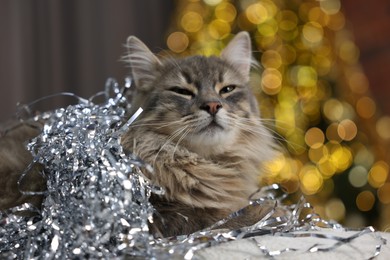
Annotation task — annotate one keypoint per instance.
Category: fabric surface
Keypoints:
(363, 246)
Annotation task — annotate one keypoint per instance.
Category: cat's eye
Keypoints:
(182, 91)
(227, 89)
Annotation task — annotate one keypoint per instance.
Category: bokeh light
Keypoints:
(378, 174)
(384, 193)
(365, 200)
(330, 6)
(365, 107)
(177, 42)
(383, 127)
(358, 176)
(192, 21)
(335, 209)
(226, 12)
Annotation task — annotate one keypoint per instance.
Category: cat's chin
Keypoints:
(212, 140)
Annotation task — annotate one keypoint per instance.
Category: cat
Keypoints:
(200, 131)
(14, 159)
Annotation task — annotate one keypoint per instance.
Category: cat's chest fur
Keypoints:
(222, 180)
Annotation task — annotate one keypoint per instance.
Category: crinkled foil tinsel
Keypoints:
(96, 203)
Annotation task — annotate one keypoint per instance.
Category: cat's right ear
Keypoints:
(142, 63)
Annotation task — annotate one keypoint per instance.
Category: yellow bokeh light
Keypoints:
(317, 152)
(340, 156)
(384, 193)
(192, 21)
(322, 64)
(365, 200)
(378, 174)
(276, 165)
(219, 29)
(326, 166)
(312, 32)
(212, 2)
(311, 180)
(333, 109)
(314, 137)
(271, 59)
(283, 170)
(271, 81)
(366, 107)
(265, 42)
(318, 15)
(288, 20)
(383, 127)
(332, 133)
(307, 76)
(226, 11)
(330, 6)
(335, 209)
(288, 53)
(284, 117)
(304, 76)
(177, 42)
(257, 13)
(268, 29)
(347, 130)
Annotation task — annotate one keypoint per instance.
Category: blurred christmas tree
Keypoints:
(312, 93)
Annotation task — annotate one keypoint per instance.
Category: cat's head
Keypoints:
(203, 102)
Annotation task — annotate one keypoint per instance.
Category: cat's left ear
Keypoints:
(142, 63)
(239, 53)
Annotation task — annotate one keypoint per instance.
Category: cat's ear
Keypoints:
(142, 62)
(239, 53)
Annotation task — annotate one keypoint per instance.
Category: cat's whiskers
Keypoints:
(157, 124)
(263, 131)
(175, 134)
(251, 128)
(253, 124)
(271, 124)
(180, 139)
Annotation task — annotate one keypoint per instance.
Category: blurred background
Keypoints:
(323, 83)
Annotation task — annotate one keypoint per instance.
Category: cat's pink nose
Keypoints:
(212, 107)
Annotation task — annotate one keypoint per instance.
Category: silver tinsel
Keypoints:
(97, 199)
(96, 203)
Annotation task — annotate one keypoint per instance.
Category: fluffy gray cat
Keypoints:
(200, 131)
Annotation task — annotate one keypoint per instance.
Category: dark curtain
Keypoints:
(50, 46)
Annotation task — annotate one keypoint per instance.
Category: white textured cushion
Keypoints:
(360, 246)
